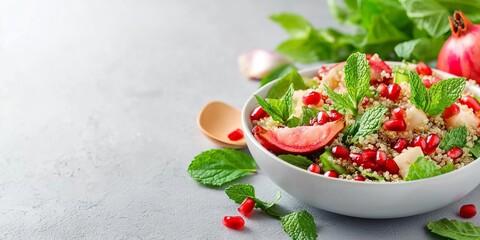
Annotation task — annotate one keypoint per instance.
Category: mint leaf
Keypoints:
(238, 193)
(281, 86)
(327, 159)
(428, 15)
(357, 77)
(272, 107)
(299, 225)
(419, 92)
(266, 205)
(341, 100)
(288, 102)
(308, 49)
(420, 48)
(444, 93)
(454, 229)
(307, 114)
(296, 160)
(369, 122)
(294, 24)
(475, 150)
(456, 137)
(219, 166)
(371, 175)
(294, 122)
(277, 73)
(425, 168)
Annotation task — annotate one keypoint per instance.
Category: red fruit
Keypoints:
(365, 101)
(460, 53)
(427, 82)
(432, 143)
(368, 56)
(382, 89)
(233, 222)
(394, 91)
(369, 165)
(451, 111)
(419, 141)
(236, 135)
(468, 211)
(314, 168)
(398, 113)
(423, 69)
(331, 173)
(377, 66)
(470, 102)
(395, 125)
(401, 144)
(299, 140)
(322, 117)
(368, 155)
(341, 152)
(435, 80)
(247, 206)
(357, 158)
(311, 98)
(335, 115)
(359, 178)
(391, 166)
(258, 113)
(380, 158)
(454, 153)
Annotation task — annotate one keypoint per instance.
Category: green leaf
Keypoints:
(369, 122)
(307, 114)
(299, 225)
(296, 160)
(428, 15)
(294, 122)
(357, 77)
(219, 166)
(444, 93)
(342, 100)
(308, 49)
(238, 192)
(327, 163)
(273, 108)
(381, 30)
(294, 24)
(419, 92)
(454, 229)
(277, 73)
(266, 205)
(475, 150)
(456, 137)
(288, 102)
(371, 175)
(422, 49)
(424, 168)
(279, 89)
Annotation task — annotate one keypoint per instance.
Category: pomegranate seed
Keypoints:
(401, 144)
(398, 113)
(258, 113)
(432, 143)
(451, 111)
(419, 141)
(314, 168)
(454, 153)
(391, 166)
(247, 206)
(368, 155)
(365, 101)
(427, 82)
(359, 178)
(236, 135)
(233, 222)
(423, 69)
(380, 158)
(382, 89)
(468, 211)
(395, 125)
(311, 98)
(322, 117)
(394, 91)
(371, 165)
(357, 158)
(341, 152)
(331, 173)
(335, 115)
(470, 102)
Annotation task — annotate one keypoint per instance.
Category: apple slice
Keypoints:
(298, 140)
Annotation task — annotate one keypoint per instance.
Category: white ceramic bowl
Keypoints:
(360, 199)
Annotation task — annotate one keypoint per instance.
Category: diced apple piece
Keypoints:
(464, 118)
(415, 118)
(406, 158)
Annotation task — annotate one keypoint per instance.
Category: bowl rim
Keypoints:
(249, 135)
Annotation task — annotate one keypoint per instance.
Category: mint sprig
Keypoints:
(438, 97)
(238, 193)
(299, 225)
(425, 168)
(453, 229)
(280, 88)
(296, 160)
(456, 137)
(279, 110)
(367, 124)
(219, 166)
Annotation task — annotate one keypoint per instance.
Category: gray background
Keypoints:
(98, 102)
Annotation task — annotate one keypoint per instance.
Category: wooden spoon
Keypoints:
(216, 120)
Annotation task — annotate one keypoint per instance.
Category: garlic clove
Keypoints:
(257, 63)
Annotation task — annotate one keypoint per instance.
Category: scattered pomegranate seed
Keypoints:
(331, 173)
(432, 143)
(368, 155)
(426, 82)
(454, 153)
(398, 113)
(314, 168)
(395, 125)
(357, 158)
(401, 144)
(470, 102)
(451, 111)
(391, 166)
(365, 101)
(335, 115)
(311, 98)
(359, 178)
(236, 135)
(468, 211)
(394, 91)
(341, 152)
(380, 158)
(419, 141)
(258, 113)
(322, 117)
(247, 206)
(382, 89)
(233, 222)
(369, 165)
(423, 69)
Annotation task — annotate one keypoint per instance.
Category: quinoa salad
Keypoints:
(364, 120)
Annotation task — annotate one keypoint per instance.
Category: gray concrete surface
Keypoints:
(98, 101)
